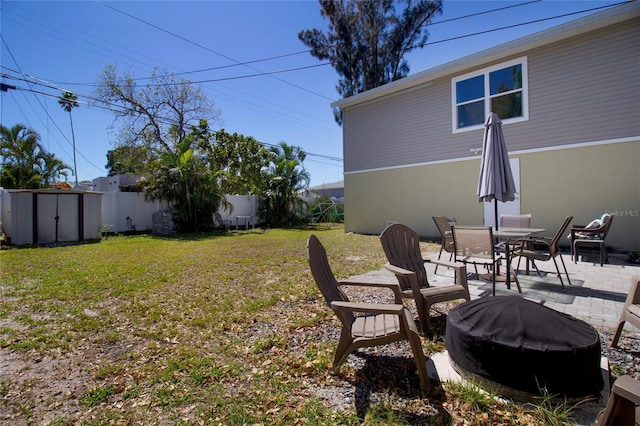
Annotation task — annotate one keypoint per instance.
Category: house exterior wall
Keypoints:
(579, 150)
(580, 90)
(404, 129)
(412, 195)
(583, 182)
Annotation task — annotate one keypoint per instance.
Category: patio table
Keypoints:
(246, 220)
(509, 234)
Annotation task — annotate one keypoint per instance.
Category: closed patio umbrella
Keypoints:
(496, 180)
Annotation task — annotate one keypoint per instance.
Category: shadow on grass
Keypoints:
(389, 387)
(199, 236)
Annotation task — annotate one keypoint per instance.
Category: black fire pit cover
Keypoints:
(526, 346)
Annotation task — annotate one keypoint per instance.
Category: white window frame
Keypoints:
(487, 97)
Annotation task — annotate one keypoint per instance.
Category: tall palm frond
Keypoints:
(69, 101)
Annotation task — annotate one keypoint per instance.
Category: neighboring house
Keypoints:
(115, 182)
(332, 190)
(569, 98)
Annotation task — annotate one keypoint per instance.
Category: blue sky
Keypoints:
(64, 45)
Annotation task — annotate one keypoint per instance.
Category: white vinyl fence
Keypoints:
(125, 210)
(128, 211)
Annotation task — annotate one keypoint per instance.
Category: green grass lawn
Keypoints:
(208, 329)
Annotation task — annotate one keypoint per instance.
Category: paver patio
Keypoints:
(596, 296)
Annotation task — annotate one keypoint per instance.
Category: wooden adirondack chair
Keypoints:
(630, 310)
(364, 324)
(623, 406)
(401, 244)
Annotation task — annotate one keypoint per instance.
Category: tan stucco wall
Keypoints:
(586, 182)
(582, 182)
(412, 195)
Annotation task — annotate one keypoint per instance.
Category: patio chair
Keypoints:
(515, 220)
(401, 245)
(223, 224)
(591, 235)
(364, 324)
(623, 406)
(475, 245)
(542, 249)
(512, 221)
(444, 227)
(630, 310)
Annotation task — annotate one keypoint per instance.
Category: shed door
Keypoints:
(57, 218)
(47, 212)
(510, 207)
(69, 219)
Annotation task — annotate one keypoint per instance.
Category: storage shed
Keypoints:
(46, 216)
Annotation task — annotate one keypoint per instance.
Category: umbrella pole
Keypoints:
(495, 212)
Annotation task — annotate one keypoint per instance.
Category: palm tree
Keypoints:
(52, 168)
(21, 151)
(284, 180)
(69, 101)
(190, 187)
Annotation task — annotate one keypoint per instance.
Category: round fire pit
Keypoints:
(524, 346)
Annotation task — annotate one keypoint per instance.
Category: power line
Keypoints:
(326, 157)
(279, 56)
(289, 115)
(125, 110)
(56, 32)
(270, 58)
(535, 21)
(211, 50)
(484, 12)
(285, 55)
(97, 102)
(118, 108)
(269, 73)
(269, 111)
(261, 73)
(42, 106)
(239, 77)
